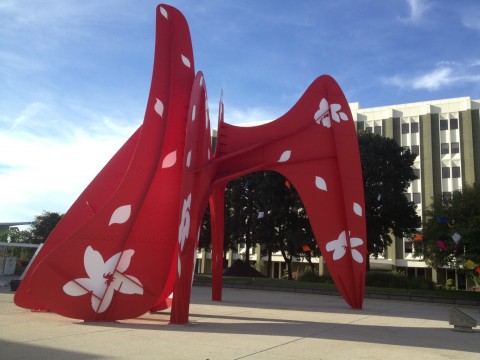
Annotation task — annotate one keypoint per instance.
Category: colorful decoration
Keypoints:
(441, 245)
(129, 241)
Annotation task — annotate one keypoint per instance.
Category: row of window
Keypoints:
(415, 197)
(455, 172)
(446, 148)
(376, 129)
(413, 127)
(407, 127)
(444, 124)
(414, 149)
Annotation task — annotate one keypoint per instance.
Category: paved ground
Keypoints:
(246, 325)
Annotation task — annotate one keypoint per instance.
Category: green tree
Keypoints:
(387, 174)
(458, 214)
(43, 225)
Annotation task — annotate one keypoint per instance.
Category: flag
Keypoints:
(306, 248)
(442, 220)
(418, 237)
(441, 245)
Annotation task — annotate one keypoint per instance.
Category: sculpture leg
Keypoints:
(217, 223)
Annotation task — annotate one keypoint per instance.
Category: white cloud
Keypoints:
(443, 75)
(238, 116)
(48, 173)
(417, 9)
(434, 79)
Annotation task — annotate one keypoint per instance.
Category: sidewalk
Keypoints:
(248, 324)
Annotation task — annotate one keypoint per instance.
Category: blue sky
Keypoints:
(75, 75)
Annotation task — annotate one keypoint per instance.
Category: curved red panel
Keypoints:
(115, 263)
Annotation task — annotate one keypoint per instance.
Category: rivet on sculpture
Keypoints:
(129, 241)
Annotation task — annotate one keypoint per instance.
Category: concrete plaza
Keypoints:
(247, 324)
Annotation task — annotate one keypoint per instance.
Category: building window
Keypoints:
(444, 148)
(415, 149)
(377, 130)
(455, 171)
(414, 127)
(405, 128)
(447, 196)
(445, 172)
(417, 199)
(408, 196)
(408, 247)
(443, 124)
(455, 147)
(453, 124)
(368, 129)
(417, 173)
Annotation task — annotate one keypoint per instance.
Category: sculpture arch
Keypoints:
(129, 240)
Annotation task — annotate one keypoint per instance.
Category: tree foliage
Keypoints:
(458, 214)
(263, 208)
(387, 174)
(43, 225)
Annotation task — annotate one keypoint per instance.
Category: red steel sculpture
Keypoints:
(129, 241)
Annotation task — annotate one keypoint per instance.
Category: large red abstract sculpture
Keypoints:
(128, 242)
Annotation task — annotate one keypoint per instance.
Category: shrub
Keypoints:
(396, 279)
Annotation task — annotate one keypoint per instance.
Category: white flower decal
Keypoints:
(339, 247)
(322, 115)
(104, 278)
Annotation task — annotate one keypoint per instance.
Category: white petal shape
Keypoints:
(185, 61)
(326, 122)
(127, 284)
(339, 246)
(320, 183)
(343, 116)
(134, 288)
(357, 256)
(354, 242)
(96, 286)
(179, 265)
(95, 303)
(111, 264)
(72, 288)
(159, 107)
(323, 108)
(93, 263)
(121, 215)
(357, 209)
(189, 158)
(107, 299)
(285, 156)
(334, 109)
(124, 261)
(163, 11)
(194, 112)
(201, 80)
(208, 154)
(169, 160)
